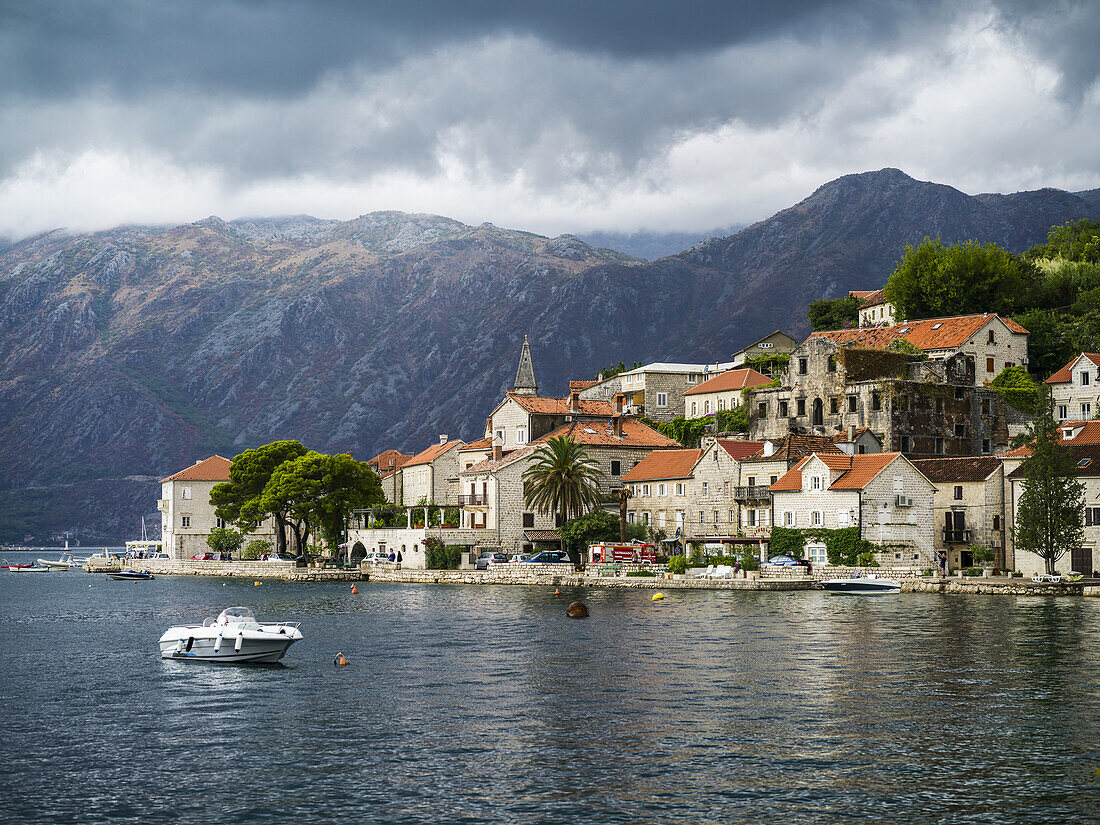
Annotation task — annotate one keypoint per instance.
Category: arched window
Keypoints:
(819, 417)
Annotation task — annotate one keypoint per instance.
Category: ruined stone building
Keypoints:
(922, 408)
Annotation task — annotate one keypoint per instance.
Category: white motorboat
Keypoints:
(859, 585)
(63, 563)
(235, 636)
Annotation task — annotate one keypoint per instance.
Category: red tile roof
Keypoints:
(431, 454)
(731, 380)
(1064, 375)
(388, 460)
(581, 385)
(739, 449)
(926, 334)
(1086, 461)
(601, 434)
(481, 444)
(664, 464)
(794, 445)
(873, 299)
(970, 468)
(842, 436)
(1089, 433)
(560, 406)
(857, 471)
(862, 293)
(215, 468)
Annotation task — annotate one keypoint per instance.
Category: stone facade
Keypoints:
(431, 475)
(770, 346)
(187, 516)
(892, 508)
(1076, 388)
(920, 408)
(655, 389)
(967, 510)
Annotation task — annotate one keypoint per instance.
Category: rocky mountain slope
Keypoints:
(128, 354)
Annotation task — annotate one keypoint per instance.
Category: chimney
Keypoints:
(769, 449)
(851, 432)
(617, 425)
(574, 401)
(497, 450)
(443, 438)
(617, 404)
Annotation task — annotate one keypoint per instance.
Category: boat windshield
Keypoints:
(236, 615)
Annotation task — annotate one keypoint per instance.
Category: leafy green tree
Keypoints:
(1073, 241)
(634, 531)
(595, 527)
(317, 492)
(225, 540)
(1048, 518)
(934, 280)
(237, 501)
(786, 541)
(562, 479)
(833, 313)
(735, 420)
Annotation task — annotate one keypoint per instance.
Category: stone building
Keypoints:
(992, 342)
(917, 407)
(690, 495)
(187, 516)
(1086, 558)
(764, 354)
(1075, 388)
(722, 392)
(875, 309)
(656, 390)
(968, 507)
(881, 493)
(431, 475)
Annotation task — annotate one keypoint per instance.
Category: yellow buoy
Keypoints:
(658, 596)
(255, 584)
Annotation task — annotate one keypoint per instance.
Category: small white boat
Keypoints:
(235, 636)
(63, 563)
(24, 569)
(857, 585)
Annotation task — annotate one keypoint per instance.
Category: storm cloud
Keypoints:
(554, 117)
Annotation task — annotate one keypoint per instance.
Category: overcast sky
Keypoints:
(551, 116)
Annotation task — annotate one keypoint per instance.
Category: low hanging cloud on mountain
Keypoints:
(556, 117)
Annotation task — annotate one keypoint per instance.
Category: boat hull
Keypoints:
(197, 644)
(130, 576)
(863, 587)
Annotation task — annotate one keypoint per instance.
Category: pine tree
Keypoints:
(1048, 517)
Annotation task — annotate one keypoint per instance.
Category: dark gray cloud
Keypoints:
(725, 109)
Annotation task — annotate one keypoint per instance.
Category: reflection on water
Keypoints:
(476, 704)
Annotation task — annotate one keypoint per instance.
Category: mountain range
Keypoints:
(129, 354)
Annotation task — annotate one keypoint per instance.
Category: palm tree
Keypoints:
(563, 480)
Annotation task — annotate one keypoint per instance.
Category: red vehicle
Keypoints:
(638, 553)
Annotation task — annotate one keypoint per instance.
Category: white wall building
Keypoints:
(1075, 388)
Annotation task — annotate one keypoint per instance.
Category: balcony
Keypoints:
(956, 536)
(757, 492)
(162, 505)
(474, 500)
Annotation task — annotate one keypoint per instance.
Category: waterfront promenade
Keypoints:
(553, 575)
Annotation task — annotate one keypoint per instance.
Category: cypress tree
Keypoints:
(1048, 517)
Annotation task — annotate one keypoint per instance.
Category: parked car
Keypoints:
(520, 557)
(548, 557)
(277, 557)
(203, 557)
(376, 558)
(485, 559)
(785, 561)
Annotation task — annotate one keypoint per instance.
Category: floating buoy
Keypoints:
(658, 596)
(577, 610)
(255, 584)
(557, 592)
(354, 589)
(341, 660)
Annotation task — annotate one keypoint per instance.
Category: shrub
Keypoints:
(748, 561)
(641, 573)
(981, 555)
(677, 564)
(786, 541)
(256, 548)
(440, 556)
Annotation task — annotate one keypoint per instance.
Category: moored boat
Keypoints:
(129, 575)
(234, 636)
(26, 568)
(857, 585)
(63, 563)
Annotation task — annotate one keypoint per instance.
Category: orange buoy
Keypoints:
(341, 660)
(557, 592)
(354, 589)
